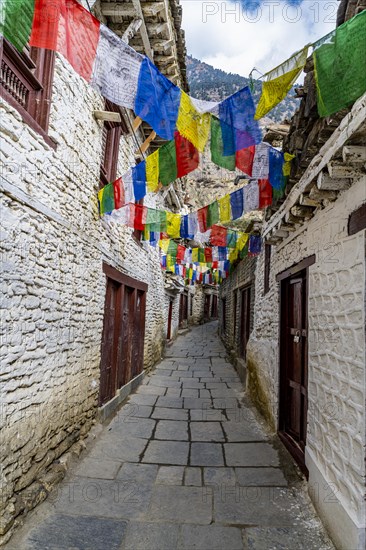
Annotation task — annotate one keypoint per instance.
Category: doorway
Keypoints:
(245, 295)
(170, 317)
(122, 353)
(183, 309)
(294, 364)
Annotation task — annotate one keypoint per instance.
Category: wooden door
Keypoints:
(170, 316)
(207, 307)
(244, 320)
(293, 365)
(214, 307)
(122, 353)
(183, 309)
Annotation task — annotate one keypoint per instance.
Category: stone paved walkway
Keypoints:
(185, 464)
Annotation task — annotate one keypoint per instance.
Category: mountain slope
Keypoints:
(208, 83)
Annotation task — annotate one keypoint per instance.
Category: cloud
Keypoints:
(238, 35)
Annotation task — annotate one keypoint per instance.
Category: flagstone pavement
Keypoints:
(185, 464)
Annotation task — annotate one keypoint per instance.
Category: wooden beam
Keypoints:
(325, 182)
(305, 200)
(348, 126)
(337, 169)
(317, 195)
(117, 9)
(136, 123)
(107, 115)
(131, 30)
(302, 211)
(146, 143)
(158, 28)
(143, 30)
(354, 154)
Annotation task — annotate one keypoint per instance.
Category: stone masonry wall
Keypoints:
(336, 345)
(53, 288)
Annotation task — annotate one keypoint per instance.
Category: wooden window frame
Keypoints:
(26, 84)
(357, 220)
(112, 133)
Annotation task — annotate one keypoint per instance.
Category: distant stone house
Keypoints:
(84, 309)
(299, 336)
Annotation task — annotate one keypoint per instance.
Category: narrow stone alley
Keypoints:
(184, 464)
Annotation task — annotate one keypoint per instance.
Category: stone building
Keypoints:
(302, 328)
(84, 305)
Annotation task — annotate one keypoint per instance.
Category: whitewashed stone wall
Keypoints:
(335, 451)
(53, 288)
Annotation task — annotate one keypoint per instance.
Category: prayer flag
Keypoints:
(192, 225)
(276, 162)
(172, 249)
(260, 169)
(106, 199)
(218, 236)
(255, 245)
(225, 209)
(187, 156)
(217, 147)
(231, 239)
(242, 240)
(152, 172)
(202, 219)
(340, 66)
(68, 28)
(181, 250)
(251, 197)
(265, 193)
(157, 100)
(167, 163)
(119, 193)
(116, 69)
(239, 129)
(138, 212)
(139, 180)
(212, 214)
(184, 227)
(244, 159)
(279, 82)
(173, 225)
(194, 255)
(192, 125)
(208, 254)
(16, 21)
(237, 203)
(128, 185)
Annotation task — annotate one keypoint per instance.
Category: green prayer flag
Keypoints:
(340, 66)
(217, 147)
(213, 214)
(167, 163)
(172, 249)
(106, 199)
(16, 17)
(201, 255)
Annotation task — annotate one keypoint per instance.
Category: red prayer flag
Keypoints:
(265, 193)
(208, 254)
(244, 159)
(218, 235)
(181, 250)
(137, 216)
(215, 265)
(66, 27)
(202, 218)
(119, 193)
(186, 154)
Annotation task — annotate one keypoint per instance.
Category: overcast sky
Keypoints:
(238, 35)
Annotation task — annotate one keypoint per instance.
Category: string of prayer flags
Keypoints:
(157, 100)
(106, 199)
(187, 156)
(231, 238)
(238, 126)
(251, 197)
(279, 81)
(265, 193)
(152, 172)
(217, 147)
(260, 167)
(139, 180)
(255, 245)
(225, 209)
(237, 203)
(167, 163)
(68, 28)
(192, 125)
(16, 21)
(116, 69)
(340, 66)
(202, 219)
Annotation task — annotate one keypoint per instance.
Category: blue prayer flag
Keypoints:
(157, 100)
(238, 127)
(237, 203)
(222, 253)
(255, 245)
(139, 180)
(276, 160)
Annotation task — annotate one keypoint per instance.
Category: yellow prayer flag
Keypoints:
(173, 225)
(152, 172)
(146, 233)
(233, 255)
(279, 82)
(164, 244)
(286, 169)
(225, 209)
(194, 254)
(242, 240)
(170, 263)
(191, 124)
